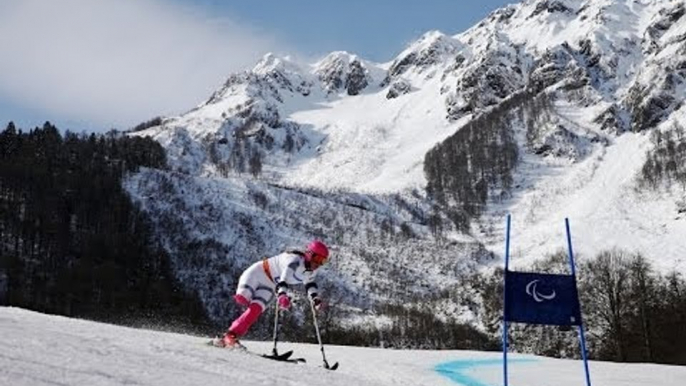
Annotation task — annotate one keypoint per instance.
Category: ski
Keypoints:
(332, 367)
(283, 357)
(277, 356)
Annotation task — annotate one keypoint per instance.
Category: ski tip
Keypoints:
(280, 357)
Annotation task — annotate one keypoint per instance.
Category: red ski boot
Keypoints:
(229, 340)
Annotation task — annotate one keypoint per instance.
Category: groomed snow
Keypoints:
(42, 350)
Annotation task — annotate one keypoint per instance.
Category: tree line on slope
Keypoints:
(641, 314)
(481, 156)
(666, 161)
(71, 242)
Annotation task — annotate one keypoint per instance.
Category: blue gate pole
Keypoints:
(581, 324)
(507, 267)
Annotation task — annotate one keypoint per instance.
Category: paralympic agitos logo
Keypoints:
(532, 290)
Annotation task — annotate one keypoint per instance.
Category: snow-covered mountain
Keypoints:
(341, 149)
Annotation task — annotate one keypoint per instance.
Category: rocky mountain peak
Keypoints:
(341, 70)
(554, 6)
(626, 56)
(430, 49)
(283, 73)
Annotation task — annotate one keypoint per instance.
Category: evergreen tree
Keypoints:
(71, 241)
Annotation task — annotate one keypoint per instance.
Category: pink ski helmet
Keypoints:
(317, 252)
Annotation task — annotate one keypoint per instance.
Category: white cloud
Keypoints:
(115, 63)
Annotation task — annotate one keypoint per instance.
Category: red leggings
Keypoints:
(241, 325)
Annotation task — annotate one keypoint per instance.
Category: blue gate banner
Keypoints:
(540, 298)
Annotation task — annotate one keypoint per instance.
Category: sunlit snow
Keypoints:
(43, 350)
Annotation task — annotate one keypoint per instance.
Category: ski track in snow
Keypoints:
(44, 350)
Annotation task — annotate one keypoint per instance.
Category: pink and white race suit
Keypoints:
(260, 281)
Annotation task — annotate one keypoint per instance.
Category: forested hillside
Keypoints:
(71, 242)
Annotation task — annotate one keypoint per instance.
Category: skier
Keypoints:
(258, 284)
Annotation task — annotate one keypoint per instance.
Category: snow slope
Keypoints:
(42, 350)
(599, 196)
(373, 144)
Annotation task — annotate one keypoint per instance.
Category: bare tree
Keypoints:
(604, 290)
(642, 290)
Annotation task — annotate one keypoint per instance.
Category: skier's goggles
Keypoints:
(318, 259)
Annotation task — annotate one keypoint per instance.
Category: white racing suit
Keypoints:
(262, 280)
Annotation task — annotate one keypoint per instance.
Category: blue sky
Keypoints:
(374, 29)
(93, 66)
